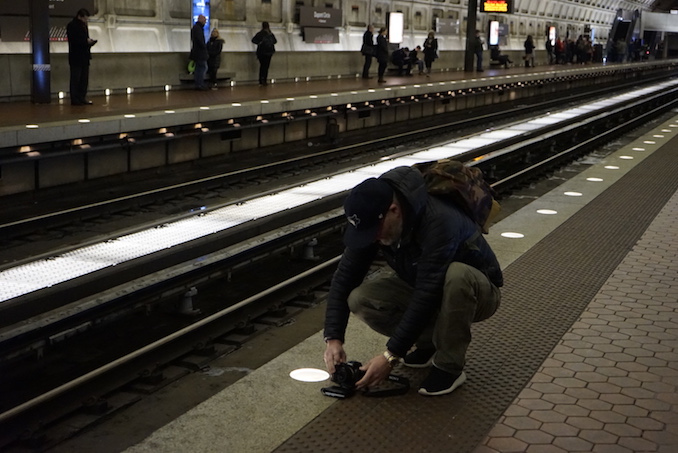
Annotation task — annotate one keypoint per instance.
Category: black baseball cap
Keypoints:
(365, 209)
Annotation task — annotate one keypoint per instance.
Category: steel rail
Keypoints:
(161, 342)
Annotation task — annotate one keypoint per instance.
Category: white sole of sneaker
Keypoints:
(456, 384)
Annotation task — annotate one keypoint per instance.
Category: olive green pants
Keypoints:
(468, 297)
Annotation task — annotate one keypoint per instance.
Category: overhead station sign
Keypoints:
(496, 6)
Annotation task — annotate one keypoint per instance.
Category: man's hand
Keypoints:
(376, 371)
(334, 354)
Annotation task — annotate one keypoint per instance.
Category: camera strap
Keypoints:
(401, 385)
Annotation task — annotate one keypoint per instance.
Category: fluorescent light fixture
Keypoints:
(611, 167)
(546, 211)
(595, 179)
(573, 194)
(638, 149)
(626, 157)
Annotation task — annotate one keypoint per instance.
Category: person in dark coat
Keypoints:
(443, 276)
(265, 41)
(79, 56)
(369, 50)
(214, 48)
(477, 48)
(529, 52)
(430, 51)
(199, 52)
(382, 53)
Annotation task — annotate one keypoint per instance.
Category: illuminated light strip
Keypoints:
(42, 274)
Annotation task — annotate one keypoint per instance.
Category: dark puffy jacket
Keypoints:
(265, 41)
(435, 234)
(214, 48)
(198, 48)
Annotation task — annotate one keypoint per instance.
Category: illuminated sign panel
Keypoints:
(496, 6)
(396, 27)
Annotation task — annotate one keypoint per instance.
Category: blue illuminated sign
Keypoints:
(199, 7)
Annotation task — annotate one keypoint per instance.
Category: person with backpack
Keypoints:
(443, 276)
(265, 41)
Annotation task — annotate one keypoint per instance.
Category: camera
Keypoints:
(345, 375)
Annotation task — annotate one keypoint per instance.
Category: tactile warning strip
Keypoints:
(546, 291)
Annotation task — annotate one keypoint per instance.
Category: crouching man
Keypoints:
(445, 277)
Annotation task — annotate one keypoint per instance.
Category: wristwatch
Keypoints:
(391, 358)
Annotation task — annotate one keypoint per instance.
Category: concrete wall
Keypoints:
(148, 71)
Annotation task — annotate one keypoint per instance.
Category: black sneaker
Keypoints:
(441, 382)
(419, 358)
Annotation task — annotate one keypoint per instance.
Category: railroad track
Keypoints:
(512, 154)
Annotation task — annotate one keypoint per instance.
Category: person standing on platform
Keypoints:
(382, 54)
(214, 48)
(79, 56)
(478, 51)
(369, 50)
(265, 41)
(443, 277)
(529, 52)
(430, 51)
(199, 52)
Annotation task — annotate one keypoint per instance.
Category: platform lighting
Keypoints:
(32, 126)
(272, 81)
(638, 149)
(162, 130)
(573, 194)
(204, 108)
(290, 99)
(309, 375)
(61, 95)
(658, 136)
(308, 79)
(25, 149)
(313, 96)
(611, 167)
(595, 179)
(512, 235)
(107, 91)
(198, 126)
(83, 120)
(649, 142)
(129, 115)
(169, 111)
(334, 94)
(236, 104)
(168, 87)
(130, 90)
(77, 142)
(546, 211)
(264, 101)
(626, 157)
(232, 83)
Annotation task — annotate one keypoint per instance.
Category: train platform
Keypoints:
(24, 123)
(582, 355)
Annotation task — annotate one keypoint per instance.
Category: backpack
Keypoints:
(464, 186)
(266, 46)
